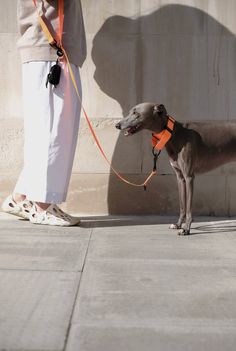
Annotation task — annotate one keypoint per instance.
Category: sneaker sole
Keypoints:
(17, 214)
(57, 225)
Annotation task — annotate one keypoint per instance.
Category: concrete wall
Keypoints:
(180, 53)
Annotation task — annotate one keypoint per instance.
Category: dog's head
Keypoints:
(143, 116)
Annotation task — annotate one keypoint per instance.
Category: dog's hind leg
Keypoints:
(182, 198)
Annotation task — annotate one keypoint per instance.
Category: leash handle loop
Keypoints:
(56, 44)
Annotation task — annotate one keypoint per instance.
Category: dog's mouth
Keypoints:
(132, 130)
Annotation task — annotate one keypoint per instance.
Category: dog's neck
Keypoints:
(175, 145)
(164, 122)
(159, 140)
(159, 124)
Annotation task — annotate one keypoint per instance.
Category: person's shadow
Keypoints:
(179, 56)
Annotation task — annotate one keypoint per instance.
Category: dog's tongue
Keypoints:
(129, 131)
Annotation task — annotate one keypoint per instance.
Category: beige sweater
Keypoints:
(32, 43)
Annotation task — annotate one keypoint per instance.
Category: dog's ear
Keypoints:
(160, 109)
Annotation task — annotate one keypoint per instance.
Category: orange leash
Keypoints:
(61, 21)
(144, 184)
(58, 45)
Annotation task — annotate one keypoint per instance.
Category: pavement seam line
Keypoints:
(77, 294)
(39, 270)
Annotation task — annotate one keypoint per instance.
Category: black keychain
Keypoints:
(54, 75)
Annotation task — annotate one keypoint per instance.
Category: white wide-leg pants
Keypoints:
(51, 123)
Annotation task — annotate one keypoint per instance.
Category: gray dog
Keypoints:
(192, 148)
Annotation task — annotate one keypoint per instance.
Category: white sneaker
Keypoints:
(19, 209)
(53, 215)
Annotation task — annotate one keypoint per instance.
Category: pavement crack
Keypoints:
(76, 294)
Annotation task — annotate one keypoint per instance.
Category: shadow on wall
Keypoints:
(177, 55)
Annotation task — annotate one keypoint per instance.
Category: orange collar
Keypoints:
(159, 140)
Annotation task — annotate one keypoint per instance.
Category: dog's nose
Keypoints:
(118, 125)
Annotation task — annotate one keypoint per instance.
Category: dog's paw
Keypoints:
(175, 226)
(183, 232)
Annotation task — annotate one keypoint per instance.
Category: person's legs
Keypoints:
(51, 129)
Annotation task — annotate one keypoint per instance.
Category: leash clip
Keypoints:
(55, 46)
(155, 158)
(154, 170)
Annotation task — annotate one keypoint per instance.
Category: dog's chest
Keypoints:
(174, 164)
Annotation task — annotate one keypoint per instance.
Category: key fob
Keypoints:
(54, 75)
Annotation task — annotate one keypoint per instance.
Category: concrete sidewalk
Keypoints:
(117, 284)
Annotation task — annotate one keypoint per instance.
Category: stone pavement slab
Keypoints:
(40, 270)
(145, 288)
(36, 309)
(117, 283)
(28, 246)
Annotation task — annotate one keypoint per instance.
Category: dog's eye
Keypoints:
(135, 115)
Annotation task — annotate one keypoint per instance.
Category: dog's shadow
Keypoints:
(218, 226)
(227, 226)
(122, 221)
(176, 55)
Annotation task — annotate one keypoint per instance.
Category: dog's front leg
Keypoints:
(189, 199)
(182, 199)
